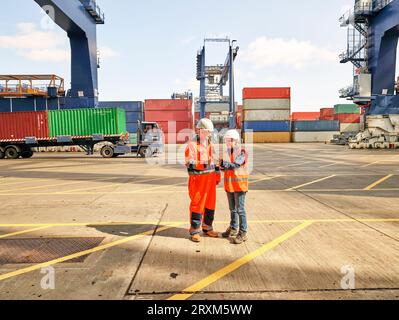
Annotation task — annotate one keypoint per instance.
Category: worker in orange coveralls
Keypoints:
(204, 176)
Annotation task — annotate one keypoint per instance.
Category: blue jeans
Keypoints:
(237, 210)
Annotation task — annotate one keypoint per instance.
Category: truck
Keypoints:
(21, 132)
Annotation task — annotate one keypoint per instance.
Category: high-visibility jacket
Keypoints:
(236, 170)
(200, 157)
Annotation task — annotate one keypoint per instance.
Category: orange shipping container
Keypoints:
(300, 116)
(266, 93)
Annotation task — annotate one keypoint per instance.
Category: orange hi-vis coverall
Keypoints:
(204, 175)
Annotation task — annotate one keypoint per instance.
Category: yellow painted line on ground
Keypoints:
(57, 185)
(20, 182)
(127, 223)
(375, 184)
(108, 186)
(190, 291)
(81, 253)
(24, 231)
(311, 182)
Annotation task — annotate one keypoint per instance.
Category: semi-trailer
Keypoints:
(20, 132)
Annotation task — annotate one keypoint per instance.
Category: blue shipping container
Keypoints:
(133, 116)
(131, 127)
(321, 125)
(133, 106)
(267, 126)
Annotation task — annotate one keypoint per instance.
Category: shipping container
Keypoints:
(167, 104)
(267, 104)
(322, 136)
(20, 125)
(132, 116)
(266, 115)
(346, 108)
(327, 114)
(174, 127)
(173, 138)
(310, 116)
(266, 93)
(86, 122)
(350, 127)
(347, 118)
(131, 106)
(267, 137)
(309, 126)
(166, 115)
(131, 127)
(267, 126)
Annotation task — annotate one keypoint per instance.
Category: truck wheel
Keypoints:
(145, 152)
(107, 152)
(2, 155)
(26, 154)
(12, 152)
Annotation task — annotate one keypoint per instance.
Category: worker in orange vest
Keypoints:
(204, 176)
(235, 167)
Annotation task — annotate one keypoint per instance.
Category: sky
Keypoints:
(148, 48)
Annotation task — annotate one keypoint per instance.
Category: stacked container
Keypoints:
(267, 112)
(134, 112)
(172, 116)
(327, 114)
(309, 116)
(349, 117)
(314, 131)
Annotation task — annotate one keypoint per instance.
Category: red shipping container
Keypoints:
(169, 126)
(197, 116)
(347, 118)
(304, 116)
(167, 115)
(326, 113)
(19, 125)
(173, 138)
(266, 93)
(168, 104)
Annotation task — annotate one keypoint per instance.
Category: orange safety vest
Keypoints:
(236, 180)
(202, 157)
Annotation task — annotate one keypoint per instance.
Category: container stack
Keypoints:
(349, 117)
(134, 113)
(314, 131)
(172, 116)
(267, 112)
(217, 112)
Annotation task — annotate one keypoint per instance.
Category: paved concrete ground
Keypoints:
(313, 209)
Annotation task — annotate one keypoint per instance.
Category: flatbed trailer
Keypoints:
(117, 145)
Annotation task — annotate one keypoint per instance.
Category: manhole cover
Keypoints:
(39, 250)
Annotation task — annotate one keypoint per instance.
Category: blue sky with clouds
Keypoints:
(148, 48)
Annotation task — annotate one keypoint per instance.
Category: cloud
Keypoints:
(35, 44)
(268, 52)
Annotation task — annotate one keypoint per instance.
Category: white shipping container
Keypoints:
(267, 104)
(267, 115)
(350, 127)
(214, 107)
(321, 136)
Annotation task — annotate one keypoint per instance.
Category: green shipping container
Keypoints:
(346, 108)
(86, 122)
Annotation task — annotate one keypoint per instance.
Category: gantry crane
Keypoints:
(373, 33)
(214, 78)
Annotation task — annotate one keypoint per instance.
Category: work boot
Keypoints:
(195, 238)
(241, 238)
(230, 232)
(211, 233)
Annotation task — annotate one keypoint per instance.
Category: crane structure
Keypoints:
(213, 79)
(373, 33)
(79, 19)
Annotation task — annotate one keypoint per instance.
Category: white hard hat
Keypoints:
(205, 124)
(232, 134)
